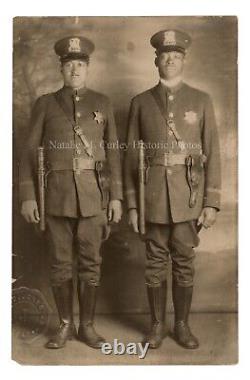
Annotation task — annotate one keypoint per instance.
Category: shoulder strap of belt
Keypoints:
(159, 101)
(77, 129)
(64, 107)
(163, 111)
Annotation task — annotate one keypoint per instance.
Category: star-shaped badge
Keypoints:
(99, 117)
(190, 117)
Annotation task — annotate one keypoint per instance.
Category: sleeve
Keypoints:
(28, 162)
(211, 149)
(113, 156)
(131, 157)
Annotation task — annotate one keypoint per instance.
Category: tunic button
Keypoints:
(169, 171)
(171, 97)
(78, 114)
(171, 114)
(77, 98)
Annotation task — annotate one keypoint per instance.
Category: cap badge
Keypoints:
(99, 117)
(169, 38)
(74, 45)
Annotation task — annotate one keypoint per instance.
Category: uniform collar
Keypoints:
(172, 86)
(70, 91)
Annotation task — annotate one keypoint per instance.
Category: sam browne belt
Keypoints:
(194, 166)
(77, 164)
(168, 159)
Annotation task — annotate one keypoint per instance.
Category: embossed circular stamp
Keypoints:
(30, 313)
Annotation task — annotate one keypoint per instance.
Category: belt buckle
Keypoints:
(76, 167)
(166, 159)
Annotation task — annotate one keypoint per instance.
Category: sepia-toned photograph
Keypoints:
(124, 227)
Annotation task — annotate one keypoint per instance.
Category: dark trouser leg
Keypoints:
(184, 237)
(59, 234)
(90, 234)
(156, 272)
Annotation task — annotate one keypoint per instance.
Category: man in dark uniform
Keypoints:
(182, 192)
(83, 185)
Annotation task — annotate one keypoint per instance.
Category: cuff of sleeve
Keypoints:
(116, 192)
(27, 191)
(131, 199)
(212, 199)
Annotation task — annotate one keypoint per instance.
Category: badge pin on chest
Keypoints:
(98, 117)
(190, 117)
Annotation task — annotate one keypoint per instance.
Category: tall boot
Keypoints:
(63, 295)
(87, 301)
(182, 298)
(157, 297)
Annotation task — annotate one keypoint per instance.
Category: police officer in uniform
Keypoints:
(182, 192)
(75, 125)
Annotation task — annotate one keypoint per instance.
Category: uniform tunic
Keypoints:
(72, 194)
(167, 192)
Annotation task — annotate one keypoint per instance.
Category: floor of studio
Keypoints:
(217, 334)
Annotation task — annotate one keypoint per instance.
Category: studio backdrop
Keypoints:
(121, 67)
